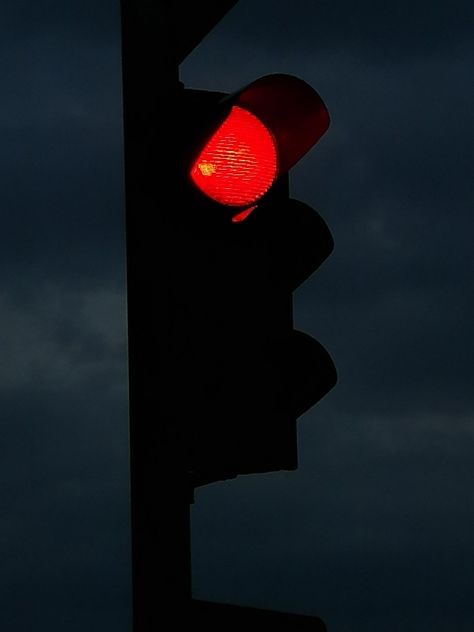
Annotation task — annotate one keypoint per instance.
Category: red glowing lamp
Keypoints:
(269, 126)
(239, 162)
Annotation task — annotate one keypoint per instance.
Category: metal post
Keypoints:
(160, 521)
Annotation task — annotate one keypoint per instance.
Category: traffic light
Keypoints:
(239, 373)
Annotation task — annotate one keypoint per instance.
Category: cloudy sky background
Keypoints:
(375, 531)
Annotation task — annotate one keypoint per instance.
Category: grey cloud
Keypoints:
(368, 30)
(62, 193)
(61, 340)
(64, 462)
(87, 21)
(377, 497)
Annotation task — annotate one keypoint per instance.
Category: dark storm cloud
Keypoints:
(377, 498)
(368, 28)
(87, 21)
(64, 523)
(63, 461)
(64, 516)
(61, 338)
(60, 158)
(405, 354)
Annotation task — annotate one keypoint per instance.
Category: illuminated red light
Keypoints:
(238, 165)
(241, 215)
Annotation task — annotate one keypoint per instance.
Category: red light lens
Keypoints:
(241, 215)
(239, 163)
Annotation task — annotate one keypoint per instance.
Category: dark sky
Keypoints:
(375, 530)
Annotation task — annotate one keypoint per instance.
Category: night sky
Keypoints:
(375, 530)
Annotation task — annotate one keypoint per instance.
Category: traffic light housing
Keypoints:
(239, 373)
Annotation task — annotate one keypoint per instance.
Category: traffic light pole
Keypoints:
(155, 39)
(160, 500)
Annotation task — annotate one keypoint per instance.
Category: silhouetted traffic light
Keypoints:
(217, 375)
(239, 373)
